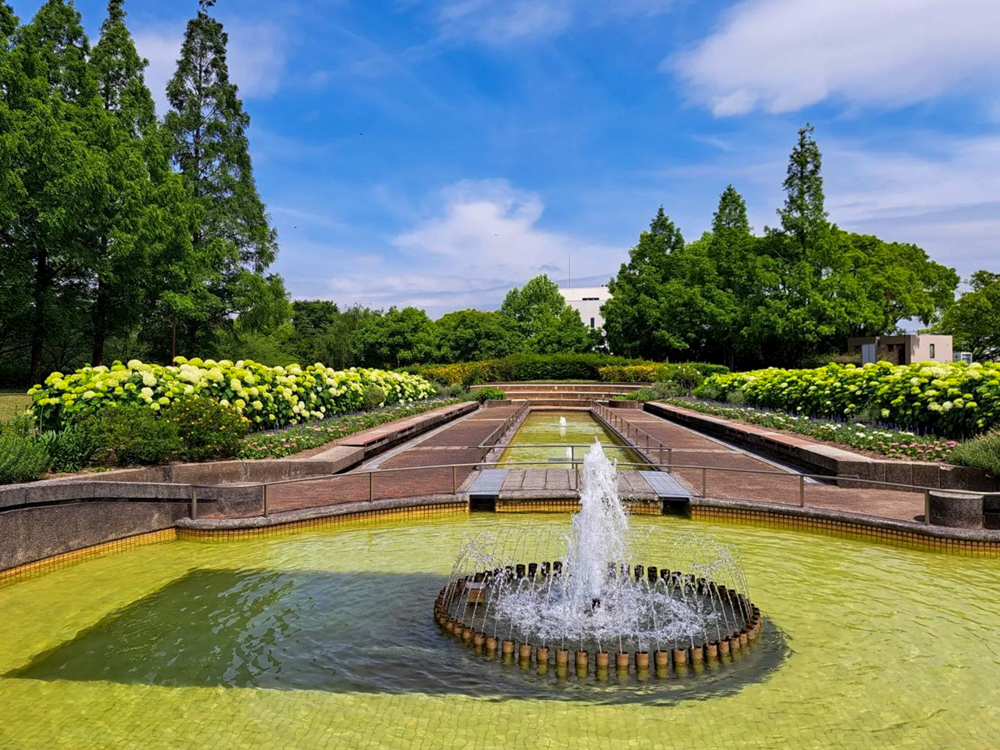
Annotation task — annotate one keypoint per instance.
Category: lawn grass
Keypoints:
(13, 404)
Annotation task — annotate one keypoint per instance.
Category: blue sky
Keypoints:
(438, 152)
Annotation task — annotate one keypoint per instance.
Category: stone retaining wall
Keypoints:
(817, 458)
(52, 517)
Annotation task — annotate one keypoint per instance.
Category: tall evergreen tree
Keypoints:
(55, 116)
(122, 254)
(803, 216)
(730, 218)
(634, 316)
(14, 298)
(232, 232)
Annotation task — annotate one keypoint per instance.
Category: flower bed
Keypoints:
(949, 400)
(887, 442)
(285, 442)
(267, 397)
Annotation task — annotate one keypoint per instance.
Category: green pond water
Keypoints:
(325, 640)
(543, 428)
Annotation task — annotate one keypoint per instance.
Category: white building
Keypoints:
(587, 301)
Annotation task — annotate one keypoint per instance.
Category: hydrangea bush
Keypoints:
(267, 397)
(951, 400)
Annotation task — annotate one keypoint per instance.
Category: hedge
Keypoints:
(954, 400)
(267, 397)
(524, 367)
(685, 374)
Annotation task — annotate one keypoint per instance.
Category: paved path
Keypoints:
(693, 449)
(456, 443)
(413, 470)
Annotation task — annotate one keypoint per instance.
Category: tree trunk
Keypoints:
(38, 314)
(101, 305)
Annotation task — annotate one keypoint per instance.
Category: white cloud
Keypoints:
(482, 239)
(255, 56)
(502, 21)
(944, 197)
(490, 229)
(782, 55)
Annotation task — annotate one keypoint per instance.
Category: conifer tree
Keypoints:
(122, 256)
(232, 232)
(730, 218)
(803, 217)
(53, 159)
(634, 316)
(14, 300)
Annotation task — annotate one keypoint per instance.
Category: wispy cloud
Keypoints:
(783, 55)
(503, 21)
(480, 239)
(256, 57)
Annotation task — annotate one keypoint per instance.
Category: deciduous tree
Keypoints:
(974, 320)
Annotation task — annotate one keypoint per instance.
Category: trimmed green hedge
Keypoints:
(525, 367)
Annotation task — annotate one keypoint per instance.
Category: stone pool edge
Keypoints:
(963, 542)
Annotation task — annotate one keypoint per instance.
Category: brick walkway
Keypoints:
(692, 449)
(411, 471)
(451, 445)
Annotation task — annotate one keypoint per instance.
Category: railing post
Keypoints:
(454, 480)
(802, 491)
(927, 506)
(194, 503)
(576, 476)
(670, 458)
(704, 482)
(266, 509)
(371, 488)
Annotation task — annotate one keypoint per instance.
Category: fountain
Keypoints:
(591, 596)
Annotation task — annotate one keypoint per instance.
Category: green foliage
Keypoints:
(455, 391)
(394, 338)
(803, 218)
(372, 398)
(23, 458)
(489, 394)
(285, 442)
(545, 320)
(266, 396)
(130, 435)
(471, 335)
(982, 452)
(232, 238)
(877, 439)
(797, 291)
(70, 450)
(635, 320)
(951, 400)
(685, 376)
(523, 367)
(973, 319)
(207, 430)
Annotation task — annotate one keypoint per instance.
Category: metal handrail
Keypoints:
(576, 463)
(502, 429)
(610, 418)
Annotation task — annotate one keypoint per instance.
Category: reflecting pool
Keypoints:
(561, 428)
